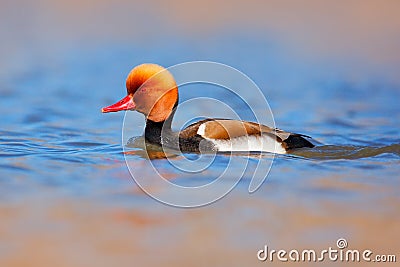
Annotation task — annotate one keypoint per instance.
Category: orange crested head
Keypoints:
(151, 90)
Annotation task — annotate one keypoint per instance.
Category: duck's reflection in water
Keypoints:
(146, 150)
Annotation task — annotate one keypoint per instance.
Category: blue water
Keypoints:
(63, 170)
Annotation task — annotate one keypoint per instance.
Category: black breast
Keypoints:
(188, 140)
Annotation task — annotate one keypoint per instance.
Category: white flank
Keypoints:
(249, 143)
(202, 129)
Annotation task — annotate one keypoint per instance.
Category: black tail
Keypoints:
(297, 141)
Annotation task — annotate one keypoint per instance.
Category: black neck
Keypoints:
(154, 130)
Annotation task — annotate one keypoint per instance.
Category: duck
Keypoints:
(152, 91)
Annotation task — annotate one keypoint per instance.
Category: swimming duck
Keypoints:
(152, 91)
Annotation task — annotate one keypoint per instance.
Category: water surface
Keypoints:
(66, 195)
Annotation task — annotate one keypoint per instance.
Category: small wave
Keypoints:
(31, 146)
(346, 152)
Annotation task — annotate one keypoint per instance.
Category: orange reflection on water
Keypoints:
(84, 232)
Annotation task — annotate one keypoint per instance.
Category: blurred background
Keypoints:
(329, 69)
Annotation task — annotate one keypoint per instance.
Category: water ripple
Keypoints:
(25, 147)
(347, 152)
